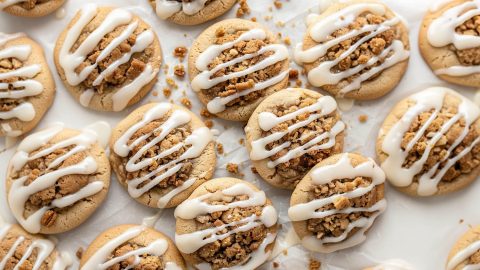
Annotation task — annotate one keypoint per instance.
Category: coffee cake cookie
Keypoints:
(160, 153)
(429, 143)
(234, 65)
(132, 247)
(108, 58)
(27, 88)
(58, 177)
(449, 41)
(355, 49)
(226, 223)
(290, 132)
(465, 254)
(337, 202)
(30, 8)
(191, 12)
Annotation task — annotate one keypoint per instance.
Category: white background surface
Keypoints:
(418, 230)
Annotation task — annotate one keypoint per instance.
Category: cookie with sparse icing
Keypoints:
(226, 223)
(290, 132)
(27, 88)
(26, 8)
(132, 247)
(234, 65)
(465, 254)
(160, 153)
(449, 41)
(108, 58)
(355, 49)
(58, 177)
(191, 12)
(429, 143)
(337, 202)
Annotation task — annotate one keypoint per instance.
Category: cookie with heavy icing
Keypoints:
(160, 153)
(234, 65)
(108, 58)
(191, 12)
(429, 143)
(226, 223)
(465, 254)
(132, 247)
(27, 88)
(337, 202)
(449, 41)
(58, 177)
(29, 8)
(290, 132)
(355, 49)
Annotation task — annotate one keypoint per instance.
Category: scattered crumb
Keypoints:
(241, 141)
(243, 8)
(155, 93)
(314, 264)
(205, 113)
(167, 92)
(254, 170)
(180, 52)
(277, 4)
(232, 168)
(293, 74)
(79, 253)
(287, 41)
(208, 123)
(171, 82)
(285, 252)
(253, 19)
(363, 118)
(186, 102)
(280, 24)
(298, 83)
(276, 264)
(219, 148)
(267, 17)
(179, 71)
(461, 221)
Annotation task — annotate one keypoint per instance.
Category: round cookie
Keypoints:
(337, 202)
(108, 58)
(226, 223)
(290, 132)
(27, 88)
(429, 143)
(465, 254)
(25, 8)
(356, 49)
(58, 178)
(450, 43)
(160, 153)
(191, 12)
(234, 65)
(132, 247)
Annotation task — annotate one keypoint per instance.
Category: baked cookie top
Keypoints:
(234, 65)
(429, 143)
(290, 132)
(465, 254)
(226, 223)
(58, 177)
(355, 49)
(337, 202)
(161, 153)
(132, 247)
(30, 8)
(108, 58)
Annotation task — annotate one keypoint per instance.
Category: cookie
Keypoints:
(191, 12)
(337, 202)
(58, 177)
(160, 153)
(465, 254)
(449, 41)
(27, 88)
(26, 8)
(429, 143)
(132, 247)
(226, 223)
(290, 132)
(108, 58)
(234, 65)
(355, 49)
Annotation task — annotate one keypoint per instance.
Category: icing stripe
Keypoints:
(463, 255)
(167, 8)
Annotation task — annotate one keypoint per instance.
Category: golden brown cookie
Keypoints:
(226, 223)
(160, 153)
(234, 65)
(337, 202)
(429, 143)
(290, 132)
(58, 177)
(465, 254)
(29, 8)
(355, 49)
(27, 88)
(132, 247)
(108, 58)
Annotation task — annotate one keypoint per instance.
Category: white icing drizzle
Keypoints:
(322, 28)
(425, 101)
(198, 141)
(342, 169)
(70, 61)
(167, 8)
(204, 79)
(266, 120)
(19, 192)
(462, 256)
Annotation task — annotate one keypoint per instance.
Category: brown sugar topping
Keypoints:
(468, 57)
